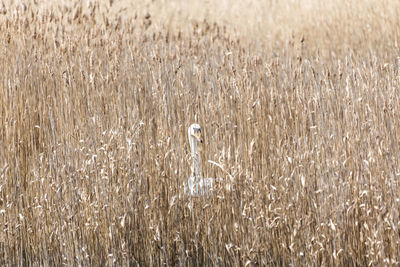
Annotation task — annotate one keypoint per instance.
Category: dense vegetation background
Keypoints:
(298, 101)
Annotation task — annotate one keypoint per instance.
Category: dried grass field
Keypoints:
(299, 102)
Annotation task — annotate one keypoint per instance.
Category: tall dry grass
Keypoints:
(299, 103)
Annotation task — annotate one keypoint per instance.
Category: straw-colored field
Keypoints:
(299, 102)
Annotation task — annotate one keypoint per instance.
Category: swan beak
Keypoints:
(198, 136)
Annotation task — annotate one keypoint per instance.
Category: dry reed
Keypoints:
(301, 112)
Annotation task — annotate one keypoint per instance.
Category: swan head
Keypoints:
(194, 131)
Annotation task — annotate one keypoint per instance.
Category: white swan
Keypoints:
(196, 185)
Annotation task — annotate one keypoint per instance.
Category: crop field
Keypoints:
(299, 104)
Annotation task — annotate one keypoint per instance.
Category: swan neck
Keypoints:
(195, 156)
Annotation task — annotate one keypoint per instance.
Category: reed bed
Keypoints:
(299, 104)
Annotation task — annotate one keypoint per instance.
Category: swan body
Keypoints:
(196, 185)
(199, 186)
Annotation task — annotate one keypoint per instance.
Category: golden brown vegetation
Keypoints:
(299, 103)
